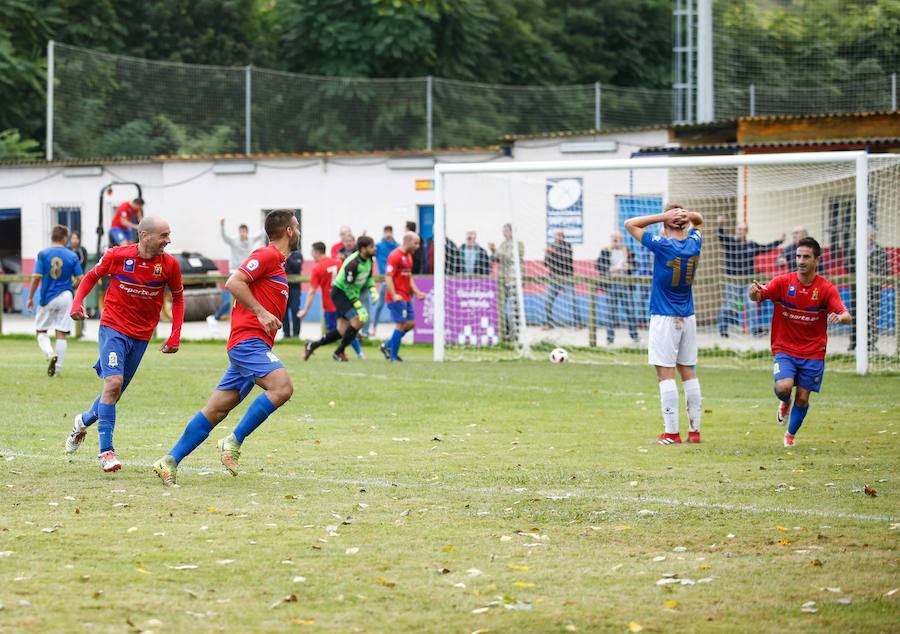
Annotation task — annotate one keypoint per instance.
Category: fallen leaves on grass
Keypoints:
(387, 584)
(518, 567)
(870, 491)
(291, 598)
(670, 604)
(352, 550)
(816, 563)
(809, 607)
(183, 567)
(634, 626)
(303, 621)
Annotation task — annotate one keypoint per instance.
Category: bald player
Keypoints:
(138, 276)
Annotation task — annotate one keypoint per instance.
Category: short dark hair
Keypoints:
(388, 228)
(410, 225)
(812, 243)
(277, 221)
(364, 241)
(244, 227)
(59, 233)
(138, 200)
(674, 205)
(318, 247)
(75, 234)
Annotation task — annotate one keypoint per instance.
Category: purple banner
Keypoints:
(471, 312)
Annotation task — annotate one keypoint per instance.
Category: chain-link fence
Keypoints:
(106, 105)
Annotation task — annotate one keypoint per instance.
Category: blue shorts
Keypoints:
(330, 321)
(250, 360)
(119, 355)
(118, 235)
(402, 311)
(807, 373)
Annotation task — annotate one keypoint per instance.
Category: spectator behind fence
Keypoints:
(452, 258)
(740, 254)
(879, 267)
(240, 251)
(78, 249)
(382, 250)
(336, 248)
(558, 259)
(420, 259)
(291, 322)
(505, 257)
(473, 257)
(617, 260)
(125, 222)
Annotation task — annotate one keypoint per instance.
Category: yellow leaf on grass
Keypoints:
(211, 508)
(781, 529)
(522, 584)
(303, 621)
(634, 626)
(671, 604)
(784, 542)
(518, 567)
(448, 548)
(142, 571)
(387, 584)
(705, 566)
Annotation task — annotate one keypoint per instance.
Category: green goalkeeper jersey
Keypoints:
(355, 275)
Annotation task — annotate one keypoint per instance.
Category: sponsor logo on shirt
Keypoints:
(252, 265)
(792, 291)
(129, 265)
(141, 292)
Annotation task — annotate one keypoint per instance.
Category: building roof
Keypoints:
(883, 143)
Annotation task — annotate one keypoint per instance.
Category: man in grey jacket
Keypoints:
(240, 251)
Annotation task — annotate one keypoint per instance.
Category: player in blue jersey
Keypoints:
(673, 327)
(55, 271)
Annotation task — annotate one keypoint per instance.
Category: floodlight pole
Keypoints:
(50, 78)
(438, 298)
(862, 264)
(705, 104)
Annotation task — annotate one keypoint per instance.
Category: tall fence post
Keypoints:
(248, 102)
(50, 75)
(752, 100)
(598, 111)
(429, 130)
(893, 92)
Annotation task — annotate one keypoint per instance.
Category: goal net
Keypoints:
(529, 257)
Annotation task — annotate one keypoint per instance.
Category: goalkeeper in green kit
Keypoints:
(354, 278)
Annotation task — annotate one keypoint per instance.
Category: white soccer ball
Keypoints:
(559, 356)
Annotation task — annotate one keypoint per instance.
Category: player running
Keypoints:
(260, 288)
(673, 327)
(139, 274)
(400, 286)
(322, 277)
(354, 276)
(55, 271)
(805, 303)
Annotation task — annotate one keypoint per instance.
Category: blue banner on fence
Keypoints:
(565, 208)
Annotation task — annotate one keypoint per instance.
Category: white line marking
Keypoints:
(635, 499)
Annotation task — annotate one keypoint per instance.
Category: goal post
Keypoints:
(569, 303)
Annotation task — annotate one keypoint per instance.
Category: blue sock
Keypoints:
(356, 347)
(90, 417)
(106, 413)
(394, 343)
(258, 411)
(783, 399)
(195, 432)
(797, 415)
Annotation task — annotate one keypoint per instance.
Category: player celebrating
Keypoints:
(138, 275)
(54, 271)
(322, 277)
(260, 288)
(805, 303)
(125, 221)
(355, 274)
(673, 327)
(400, 285)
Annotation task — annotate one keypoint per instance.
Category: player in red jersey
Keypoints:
(400, 289)
(805, 303)
(126, 219)
(139, 274)
(260, 289)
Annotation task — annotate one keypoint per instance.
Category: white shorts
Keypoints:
(55, 315)
(673, 340)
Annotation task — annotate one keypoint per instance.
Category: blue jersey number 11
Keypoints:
(689, 270)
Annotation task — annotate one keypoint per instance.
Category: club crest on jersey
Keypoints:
(252, 265)
(157, 270)
(815, 294)
(113, 360)
(129, 265)
(792, 291)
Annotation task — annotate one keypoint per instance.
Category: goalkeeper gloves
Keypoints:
(361, 311)
(373, 294)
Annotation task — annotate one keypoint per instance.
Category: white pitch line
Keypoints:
(635, 499)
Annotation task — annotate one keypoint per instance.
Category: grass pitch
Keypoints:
(518, 496)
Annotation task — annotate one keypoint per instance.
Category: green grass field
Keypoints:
(462, 497)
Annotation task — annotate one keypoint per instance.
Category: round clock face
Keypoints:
(564, 193)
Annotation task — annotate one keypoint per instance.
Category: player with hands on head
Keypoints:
(805, 303)
(673, 326)
(139, 274)
(260, 289)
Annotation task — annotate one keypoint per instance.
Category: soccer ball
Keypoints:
(559, 356)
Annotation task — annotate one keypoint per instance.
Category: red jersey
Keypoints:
(136, 289)
(123, 212)
(323, 274)
(268, 282)
(399, 269)
(799, 323)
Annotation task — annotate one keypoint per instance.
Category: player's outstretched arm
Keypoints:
(840, 318)
(239, 287)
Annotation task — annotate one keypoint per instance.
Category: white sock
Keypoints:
(61, 346)
(668, 398)
(44, 343)
(693, 402)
